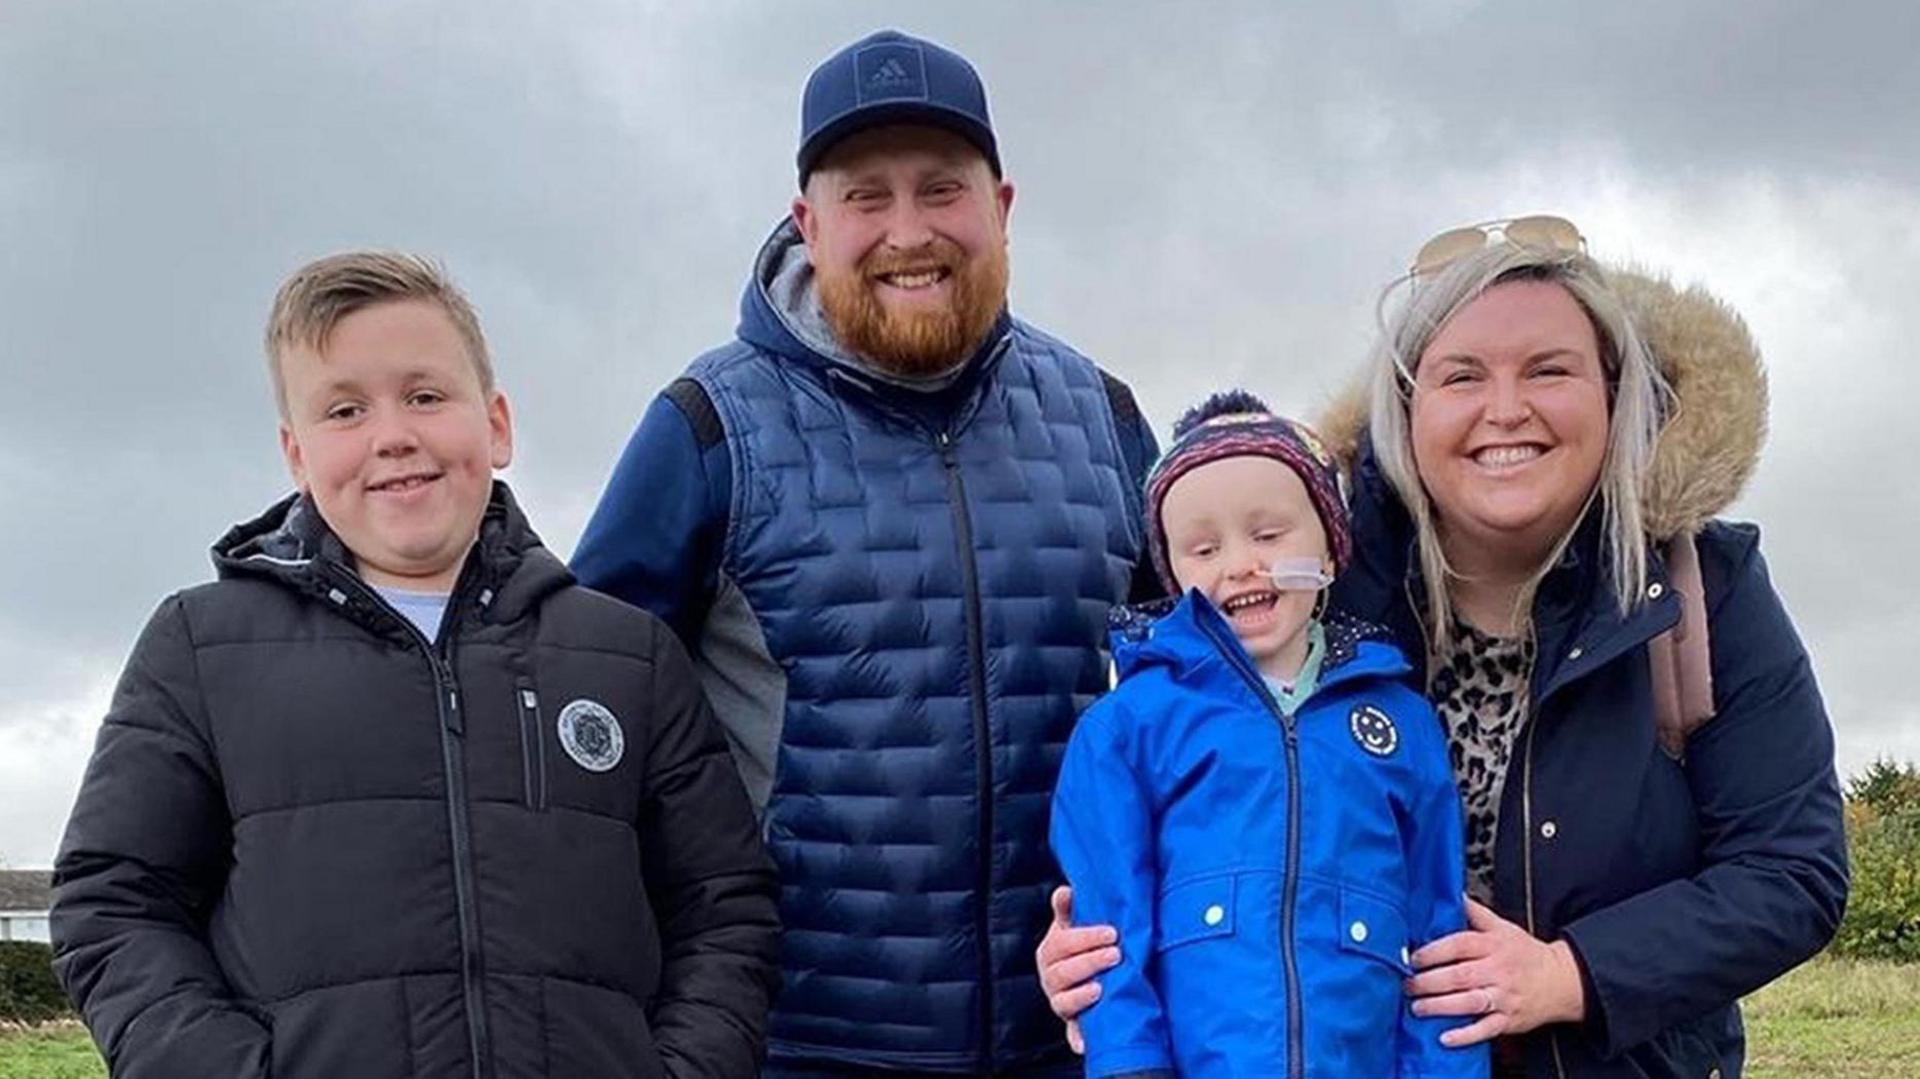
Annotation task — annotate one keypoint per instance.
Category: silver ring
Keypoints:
(1486, 995)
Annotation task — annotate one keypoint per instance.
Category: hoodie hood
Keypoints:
(291, 545)
(1717, 423)
(780, 310)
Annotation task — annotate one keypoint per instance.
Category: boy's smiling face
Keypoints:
(1227, 522)
(389, 431)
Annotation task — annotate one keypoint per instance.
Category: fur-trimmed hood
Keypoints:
(1715, 427)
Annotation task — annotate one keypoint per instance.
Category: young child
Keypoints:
(394, 797)
(1262, 808)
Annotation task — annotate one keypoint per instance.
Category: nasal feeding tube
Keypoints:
(1298, 574)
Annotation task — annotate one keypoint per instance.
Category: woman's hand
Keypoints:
(1496, 970)
(1068, 959)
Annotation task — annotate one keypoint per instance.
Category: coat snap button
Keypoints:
(1358, 931)
(1214, 915)
(1574, 652)
(1713, 1073)
(1406, 957)
(1549, 830)
(1656, 590)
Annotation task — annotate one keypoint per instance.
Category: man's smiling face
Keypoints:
(906, 228)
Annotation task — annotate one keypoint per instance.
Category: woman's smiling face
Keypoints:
(1509, 418)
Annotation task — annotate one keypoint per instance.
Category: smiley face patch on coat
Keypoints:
(1374, 730)
(591, 735)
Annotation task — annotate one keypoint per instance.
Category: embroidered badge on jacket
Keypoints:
(1374, 730)
(591, 735)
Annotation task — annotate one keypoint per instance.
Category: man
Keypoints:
(889, 520)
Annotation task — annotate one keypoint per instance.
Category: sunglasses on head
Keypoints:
(1541, 231)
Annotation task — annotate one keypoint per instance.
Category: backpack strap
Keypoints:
(1120, 399)
(1682, 656)
(697, 406)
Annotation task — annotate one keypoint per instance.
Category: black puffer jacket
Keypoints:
(311, 844)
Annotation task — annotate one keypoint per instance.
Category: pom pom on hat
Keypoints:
(1226, 403)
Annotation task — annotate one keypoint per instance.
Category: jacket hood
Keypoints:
(291, 545)
(1716, 424)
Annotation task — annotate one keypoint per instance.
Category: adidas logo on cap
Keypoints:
(894, 71)
(891, 71)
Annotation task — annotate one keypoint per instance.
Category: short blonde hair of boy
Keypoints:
(318, 295)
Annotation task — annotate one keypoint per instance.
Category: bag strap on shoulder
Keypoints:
(1682, 656)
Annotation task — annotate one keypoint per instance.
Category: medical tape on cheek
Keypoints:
(1298, 574)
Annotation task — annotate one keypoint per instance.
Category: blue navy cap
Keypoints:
(892, 78)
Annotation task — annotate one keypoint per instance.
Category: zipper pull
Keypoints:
(455, 722)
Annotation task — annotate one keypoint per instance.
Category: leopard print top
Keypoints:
(1480, 692)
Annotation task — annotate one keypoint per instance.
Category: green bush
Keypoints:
(1883, 842)
(28, 991)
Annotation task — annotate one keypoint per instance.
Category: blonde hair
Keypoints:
(1636, 397)
(318, 295)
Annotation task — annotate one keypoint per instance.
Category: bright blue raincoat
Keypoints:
(1268, 870)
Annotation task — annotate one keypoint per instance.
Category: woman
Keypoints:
(1510, 516)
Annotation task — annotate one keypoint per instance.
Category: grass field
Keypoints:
(1832, 1018)
(54, 1051)
(1839, 1018)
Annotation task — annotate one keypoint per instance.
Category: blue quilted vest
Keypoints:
(936, 598)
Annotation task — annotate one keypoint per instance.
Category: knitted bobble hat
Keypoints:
(1235, 423)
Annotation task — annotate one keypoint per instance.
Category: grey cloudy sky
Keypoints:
(1208, 195)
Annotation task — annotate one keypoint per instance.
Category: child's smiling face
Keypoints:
(390, 431)
(1226, 523)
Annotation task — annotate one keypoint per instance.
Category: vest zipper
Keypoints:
(1290, 884)
(982, 740)
(453, 731)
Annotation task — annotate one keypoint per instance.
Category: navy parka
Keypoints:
(1681, 885)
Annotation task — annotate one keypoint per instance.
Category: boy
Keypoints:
(1262, 808)
(394, 797)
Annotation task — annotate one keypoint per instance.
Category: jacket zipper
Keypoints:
(1526, 821)
(1526, 813)
(1426, 639)
(453, 731)
(1290, 884)
(982, 739)
(1535, 707)
(533, 750)
(1526, 782)
(1526, 847)
(1295, 1038)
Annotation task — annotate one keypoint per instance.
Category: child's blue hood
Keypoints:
(1191, 638)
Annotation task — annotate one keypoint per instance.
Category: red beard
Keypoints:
(920, 343)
